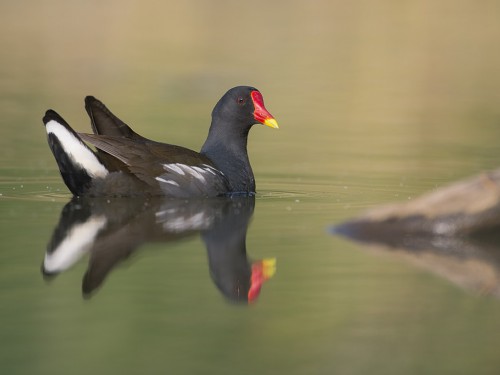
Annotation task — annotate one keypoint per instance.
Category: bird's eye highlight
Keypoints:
(241, 100)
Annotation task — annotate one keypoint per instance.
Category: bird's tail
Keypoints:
(78, 164)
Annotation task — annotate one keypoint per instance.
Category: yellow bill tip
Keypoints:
(269, 267)
(271, 122)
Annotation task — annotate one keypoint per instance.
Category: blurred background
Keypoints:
(376, 101)
(415, 81)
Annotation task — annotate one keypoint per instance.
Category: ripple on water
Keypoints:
(34, 190)
(328, 191)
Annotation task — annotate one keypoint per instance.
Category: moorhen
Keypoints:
(127, 164)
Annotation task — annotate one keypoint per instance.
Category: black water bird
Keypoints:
(127, 164)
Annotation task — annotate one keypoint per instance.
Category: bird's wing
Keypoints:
(104, 122)
(179, 171)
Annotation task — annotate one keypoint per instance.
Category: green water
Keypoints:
(377, 102)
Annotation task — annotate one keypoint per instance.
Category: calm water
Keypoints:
(376, 103)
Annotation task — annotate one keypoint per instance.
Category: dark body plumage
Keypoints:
(127, 164)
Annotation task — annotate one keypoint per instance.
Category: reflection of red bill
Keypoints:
(262, 270)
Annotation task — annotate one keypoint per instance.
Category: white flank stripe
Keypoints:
(200, 170)
(76, 150)
(194, 173)
(76, 243)
(167, 181)
(212, 170)
(183, 169)
(207, 166)
(174, 168)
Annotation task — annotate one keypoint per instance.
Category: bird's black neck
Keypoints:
(226, 147)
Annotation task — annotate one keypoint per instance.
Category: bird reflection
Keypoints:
(111, 230)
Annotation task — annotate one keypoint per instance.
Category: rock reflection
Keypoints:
(472, 262)
(111, 230)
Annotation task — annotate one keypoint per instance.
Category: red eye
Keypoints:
(241, 100)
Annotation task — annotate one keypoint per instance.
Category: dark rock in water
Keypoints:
(467, 207)
(453, 231)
